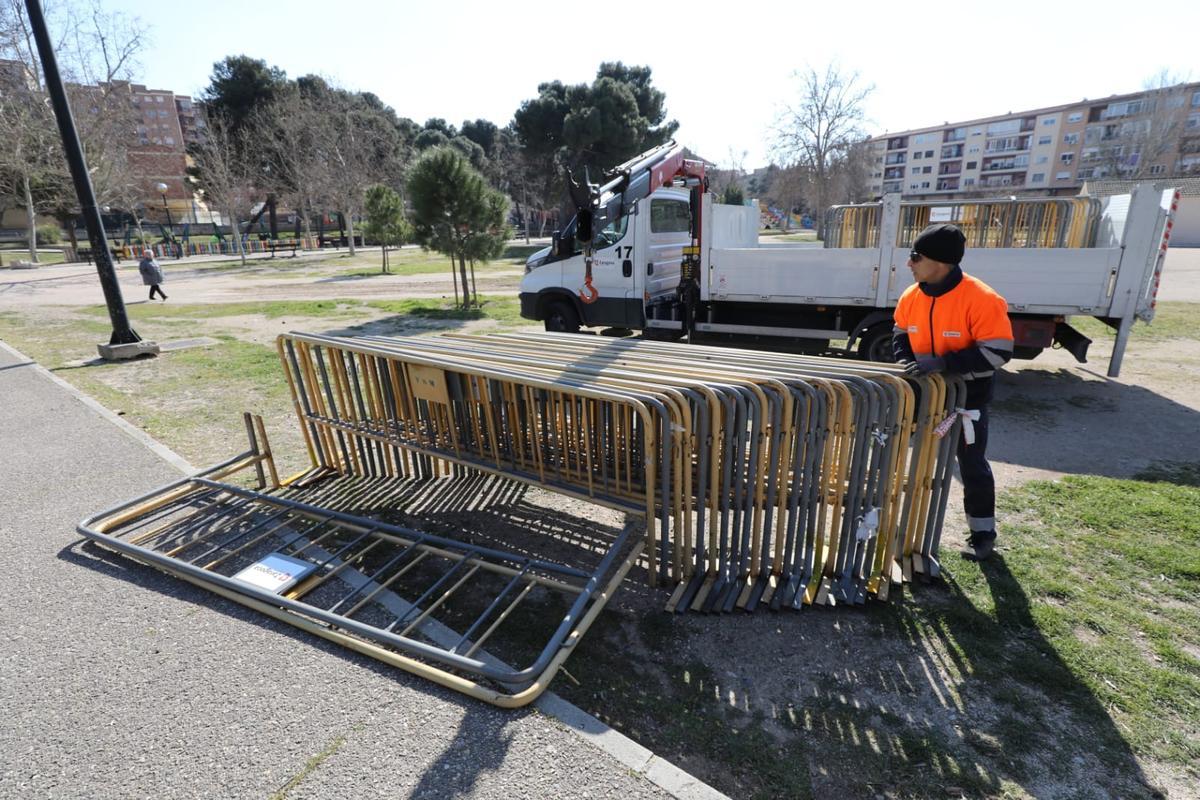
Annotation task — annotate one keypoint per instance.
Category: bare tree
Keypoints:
(95, 50)
(817, 131)
(229, 180)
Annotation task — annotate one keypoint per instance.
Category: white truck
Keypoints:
(668, 260)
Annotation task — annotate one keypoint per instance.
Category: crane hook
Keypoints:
(588, 294)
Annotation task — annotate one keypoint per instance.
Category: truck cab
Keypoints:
(636, 260)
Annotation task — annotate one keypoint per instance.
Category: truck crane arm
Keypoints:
(597, 205)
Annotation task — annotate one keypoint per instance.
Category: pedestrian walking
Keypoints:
(951, 322)
(152, 274)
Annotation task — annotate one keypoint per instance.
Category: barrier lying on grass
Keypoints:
(761, 479)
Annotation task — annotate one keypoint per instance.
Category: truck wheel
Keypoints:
(876, 344)
(561, 317)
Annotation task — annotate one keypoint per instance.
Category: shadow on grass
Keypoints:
(929, 696)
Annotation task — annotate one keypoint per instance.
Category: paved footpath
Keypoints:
(119, 681)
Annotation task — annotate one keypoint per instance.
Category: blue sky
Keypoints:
(725, 67)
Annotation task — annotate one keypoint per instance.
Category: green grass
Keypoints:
(270, 309)
(1172, 320)
(504, 310)
(45, 257)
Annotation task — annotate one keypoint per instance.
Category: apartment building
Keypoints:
(1046, 151)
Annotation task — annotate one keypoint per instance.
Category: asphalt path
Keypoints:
(119, 681)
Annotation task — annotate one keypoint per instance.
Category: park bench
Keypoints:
(276, 245)
(85, 254)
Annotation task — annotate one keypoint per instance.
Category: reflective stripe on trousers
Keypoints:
(979, 487)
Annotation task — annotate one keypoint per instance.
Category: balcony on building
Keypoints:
(891, 186)
(950, 168)
(895, 158)
(893, 173)
(947, 184)
(897, 143)
(952, 151)
(954, 135)
(1010, 179)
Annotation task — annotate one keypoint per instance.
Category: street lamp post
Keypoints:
(162, 190)
(124, 343)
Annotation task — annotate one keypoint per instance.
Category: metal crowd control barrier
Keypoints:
(760, 479)
(1043, 222)
(759, 472)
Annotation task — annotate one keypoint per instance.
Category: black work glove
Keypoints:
(925, 365)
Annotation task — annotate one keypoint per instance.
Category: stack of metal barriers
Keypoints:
(764, 479)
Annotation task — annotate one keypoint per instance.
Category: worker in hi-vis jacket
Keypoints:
(950, 322)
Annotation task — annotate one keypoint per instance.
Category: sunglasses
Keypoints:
(915, 257)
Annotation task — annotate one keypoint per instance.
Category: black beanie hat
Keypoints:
(944, 243)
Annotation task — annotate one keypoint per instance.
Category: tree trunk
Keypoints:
(383, 248)
(236, 235)
(454, 278)
(304, 212)
(462, 271)
(474, 292)
(525, 213)
(31, 219)
(350, 229)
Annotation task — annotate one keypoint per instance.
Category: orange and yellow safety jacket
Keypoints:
(961, 320)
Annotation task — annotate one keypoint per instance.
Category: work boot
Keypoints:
(980, 545)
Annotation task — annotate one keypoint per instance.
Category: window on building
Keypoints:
(1075, 116)
(1085, 173)
(929, 154)
(1045, 139)
(170, 140)
(973, 149)
(926, 138)
(1038, 177)
(972, 164)
(1157, 169)
(1063, 176)
(1043, 159)
(924, 184)
(1049, 120)
(1067, 158)
(926, 170)
(968, 181)
(1193, 121)
(1071, 138)
(977, 131)
(158, 99)
(1004, 126)
(916, 155)
(1196, 99)
(913, 186)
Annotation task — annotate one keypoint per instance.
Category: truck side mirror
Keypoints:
(556, 244)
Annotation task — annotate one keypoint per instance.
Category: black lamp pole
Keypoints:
(122, 333)
(162, 190)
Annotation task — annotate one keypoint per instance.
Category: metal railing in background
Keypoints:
(1043, 222)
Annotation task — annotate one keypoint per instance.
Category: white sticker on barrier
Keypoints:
(275, 572)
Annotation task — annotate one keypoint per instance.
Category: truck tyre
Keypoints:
(876, 344)
(561, 317)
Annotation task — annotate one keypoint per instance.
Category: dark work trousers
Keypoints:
(979, 487)
(157, 288)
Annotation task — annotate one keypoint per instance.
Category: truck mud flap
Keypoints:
(424, 603)
(1072, 341)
